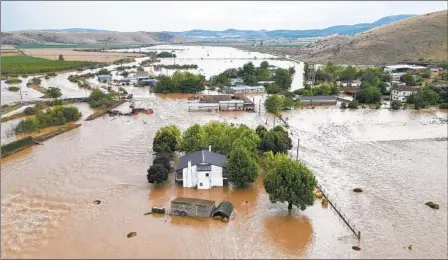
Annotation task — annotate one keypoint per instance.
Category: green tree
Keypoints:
(348, 74)
(164, 161)
(353, 104)
(269, 160)
(165, 85)
(248, 140)
(283, 78)
(54, 92)
(98, 98)
(409, 79)
(368, 95)
(193, 139)
(383, 88)
(167, 140)
(157, 173)
(27, 126)
(274, 104)
(291, 182)
(103, 72)
(275, 141)
(272, 88)
(241, 167)
(60, 57)
(260, 130)
(370, 79)
(395, 105)
(426, 74)
(264, 65)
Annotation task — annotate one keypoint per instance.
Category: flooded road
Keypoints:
(394, 156)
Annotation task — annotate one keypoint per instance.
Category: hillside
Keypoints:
(41, 37)
(420, 37)
(291, 34)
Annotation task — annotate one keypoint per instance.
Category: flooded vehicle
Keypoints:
(398, 158)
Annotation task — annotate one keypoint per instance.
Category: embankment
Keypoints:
(28, 141)
(102, 112)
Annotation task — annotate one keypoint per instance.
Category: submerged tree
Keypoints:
(292, 182)
(241, 167)
(167, 140)
(193, 139)
(157, 173)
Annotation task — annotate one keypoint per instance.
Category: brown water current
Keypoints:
(47, 191)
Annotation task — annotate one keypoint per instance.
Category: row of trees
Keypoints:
(99, 99)
(57, 116)
(275, 103)
(180, 82)
(428, 96)
(251, 75)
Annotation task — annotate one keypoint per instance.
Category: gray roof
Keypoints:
(317, 97)
(202, 157)
(193, 201)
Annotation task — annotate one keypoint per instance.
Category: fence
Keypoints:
(340, 213)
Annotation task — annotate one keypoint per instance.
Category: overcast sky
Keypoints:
(182, 16)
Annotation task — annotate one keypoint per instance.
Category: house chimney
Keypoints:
(209, 148)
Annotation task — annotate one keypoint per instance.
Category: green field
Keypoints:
(78, 46)
(29, 65)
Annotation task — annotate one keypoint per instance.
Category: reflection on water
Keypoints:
(290, 233)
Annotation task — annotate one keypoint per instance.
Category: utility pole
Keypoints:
(298, 143)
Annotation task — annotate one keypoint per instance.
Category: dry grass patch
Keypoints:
(72, 55)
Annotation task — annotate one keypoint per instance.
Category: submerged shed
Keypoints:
(223, 211)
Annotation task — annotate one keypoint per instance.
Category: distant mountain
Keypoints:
(76, 30)
(292, 34)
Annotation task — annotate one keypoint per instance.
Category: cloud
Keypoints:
(213, 15)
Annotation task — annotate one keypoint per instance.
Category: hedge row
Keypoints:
(17, 144)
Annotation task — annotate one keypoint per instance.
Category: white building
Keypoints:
(401, 93)
(202, 169)
(403, 68)
(246, 89)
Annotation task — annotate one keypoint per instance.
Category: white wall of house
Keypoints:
(193, 178)
(400, 95)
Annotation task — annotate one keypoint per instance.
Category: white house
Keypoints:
(202, 169)
(401, 93)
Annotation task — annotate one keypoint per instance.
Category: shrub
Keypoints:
(51, 74)
(377, 106)
(14, 89)
(163, 160)
(353, 104)
(36, 81)
(443, 106)
(54, 92)
(13, 81)
(343, 105)
(27, 126)
(157, 173)
(29, 111)
(395, 105)
(16, 144)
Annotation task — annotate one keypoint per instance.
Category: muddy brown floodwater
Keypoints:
(47, 191)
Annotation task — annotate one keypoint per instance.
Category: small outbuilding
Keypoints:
(223, 211)
(182, 206)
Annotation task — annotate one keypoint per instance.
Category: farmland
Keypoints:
(74, 55)
(28, 65)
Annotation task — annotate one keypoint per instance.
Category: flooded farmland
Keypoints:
(397, 157)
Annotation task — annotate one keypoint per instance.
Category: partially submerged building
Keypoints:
(318, 100)
(182, 206)
(401, 93)
(404, 68)
(201, 169)
(246, 89)
(222, 103)
(104, 78)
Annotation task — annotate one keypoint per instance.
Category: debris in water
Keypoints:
(132, 234)
(357, 248)
(319, 195)
(410, 247)
(432, 205)
(357, 190)
(97, 202)
(148, 213)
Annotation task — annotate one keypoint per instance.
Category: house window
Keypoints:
(200, 184)
(207, 174)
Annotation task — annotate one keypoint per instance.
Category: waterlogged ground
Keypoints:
(393, 156)
(397, 157)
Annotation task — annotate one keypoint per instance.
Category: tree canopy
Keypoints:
(292, 182)
(193, 139)
(368, 95)
(241, 167)
(157, 173)
(180, 82)
(54, 92)
(167, 140)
